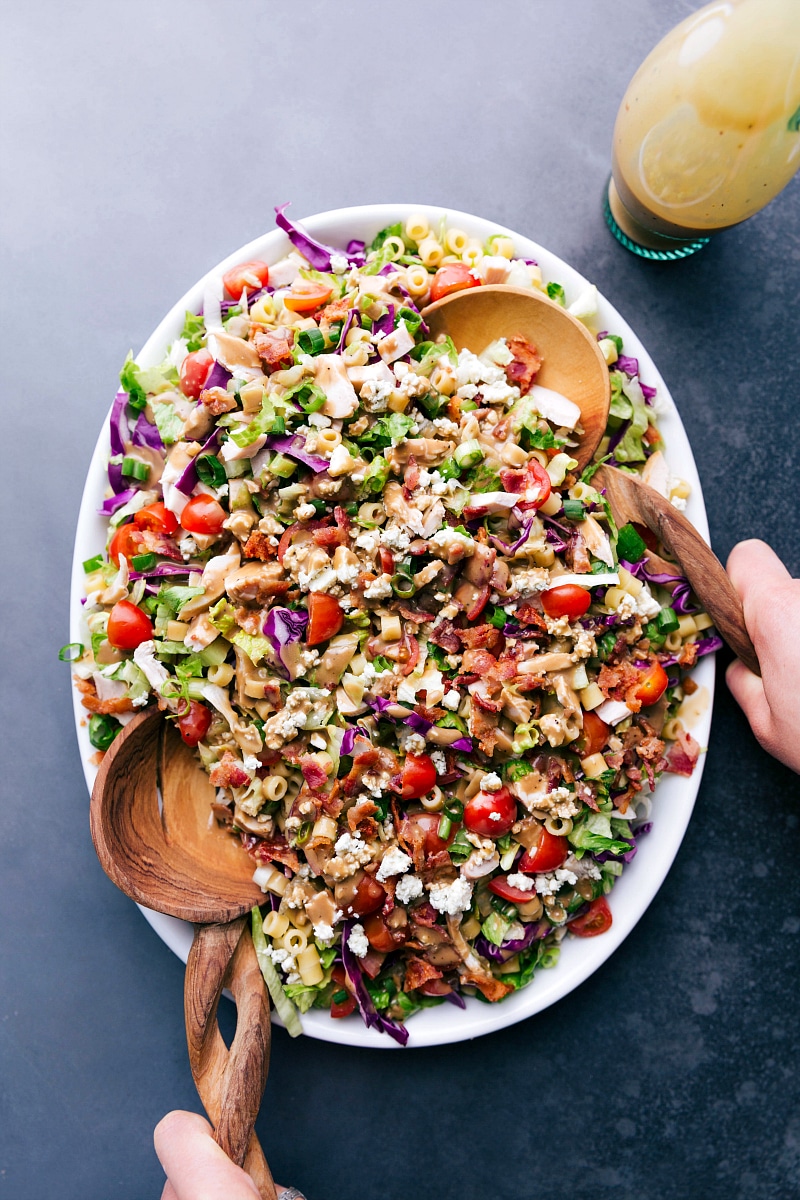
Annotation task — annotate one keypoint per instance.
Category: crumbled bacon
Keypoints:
(276, 851)
(487, 985)
(524, 367)
(418, 971)
(258, 546)
(621, 682)
(688, 655)
(360, 817)
(683, 755)
(330, 537)
(91, 701)
(217, 400)
(228, 772)
(483, 726)
(483, 637)
(411, 475)
(274, 347)
(527, 614)
(445, 634)
(424, 914)
(313, 773)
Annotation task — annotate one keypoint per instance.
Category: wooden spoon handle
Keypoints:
(632, 500)
(230, 1082)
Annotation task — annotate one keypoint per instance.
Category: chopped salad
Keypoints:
(431, 681)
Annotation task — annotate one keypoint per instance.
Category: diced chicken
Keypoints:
(656, 473)
(212, 582)
(256, 583)
(596, 540)
(555, 407)
(331, 376)
(396, 344)
(238, 356)
(374, 373)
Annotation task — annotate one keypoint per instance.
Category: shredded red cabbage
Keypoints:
(110, 506)
(294, 447)
(218, 376)
(371, 1018)
(649, 393)
(145, 433)
(353, 317)
(455, 998)
(118, 427)
(116, 479)
(681, 592)
(417, 723)
(317, 253)
(187, 480)
(385, 323)
(628, 364)
(282, 626)
(348, 741)
(708, 645)
(534, 932)
(160, 571)
(514, 547)
(463, 744)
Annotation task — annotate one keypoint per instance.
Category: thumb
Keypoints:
(748, 692)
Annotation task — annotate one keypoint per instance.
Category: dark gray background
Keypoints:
(142, 143)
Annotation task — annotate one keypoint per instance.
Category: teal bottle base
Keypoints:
(667, 254)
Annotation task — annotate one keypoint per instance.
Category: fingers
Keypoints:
(753, 563)
(196, 1167)
(748, 692)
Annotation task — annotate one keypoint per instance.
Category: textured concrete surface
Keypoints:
(141, 143)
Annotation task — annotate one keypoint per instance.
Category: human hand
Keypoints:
(771, 602)
(196, 1167)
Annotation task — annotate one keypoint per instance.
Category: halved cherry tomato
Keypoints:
(369, 896)
(491, 814)
(128, 626)
(654, 683)
(251, 275)
(203, 514)
(419, 776)
(158, 518)
(126, 541)
(306, 295)
(342, 1008)
(387, 560)
(501, 887)
(325, 618)
(596, 919)
(195, 724)
(548, 855)
(453, 277)
(594, 736)
(537, 478)
(569, 600)
(381, 936)
(429, 824)
(195, 370)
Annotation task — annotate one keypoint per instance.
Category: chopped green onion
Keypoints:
(667, 621)
(445, 827)
(450, 469)
(71, 652)
(304, 833)
(340, 997)
(91, 564)
(134, 468)
(102, 730)
(310, 398)
(453, 809)
(210, 471)
(412, 319)
(282, 466)
(469, 454)
(143, 562)
(630, 545)
(574, 510)
(310, 341)
(468, 405)
(517, 770)
(430, 403)
(495, 616)
(403, 585)
(556, 292)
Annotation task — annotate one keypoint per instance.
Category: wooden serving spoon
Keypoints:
(167, 857)
(572, 362)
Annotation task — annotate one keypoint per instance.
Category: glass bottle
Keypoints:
(708, 131)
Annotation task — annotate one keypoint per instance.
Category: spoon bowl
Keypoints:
(150, 825)
(572, 362)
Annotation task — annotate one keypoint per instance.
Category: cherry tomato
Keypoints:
(380, 936)
(127, 541)
(195, 724)
(595, 919)
(251, 275)
(419, 776)
(195, 370)
(369, 897)
(654, 683)
(158, 518)
(429, 824)
(325, 618)
(306, 295)
(128, 626)
(454, 277)
(548, 855)
(203, 514)
(569, 600)
(501, 887)
(342, 1008)
(491, 814)
(537, 481)
(594, 736)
